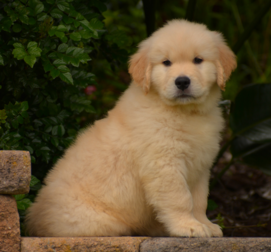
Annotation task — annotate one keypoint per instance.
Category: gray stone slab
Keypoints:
(206, 244)
(15, 172)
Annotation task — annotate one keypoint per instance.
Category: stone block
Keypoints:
(206, 244)
(78, 244)
(15, 172)
(9, 225)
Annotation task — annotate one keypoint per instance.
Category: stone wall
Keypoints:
(15, 175)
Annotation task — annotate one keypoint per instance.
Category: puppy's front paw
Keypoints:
(215, 230)
(191, 229)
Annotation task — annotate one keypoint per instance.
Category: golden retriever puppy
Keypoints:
(144, 169)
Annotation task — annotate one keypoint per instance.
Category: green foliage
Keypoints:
(251, 126)
(220, 221)
(46, 49)
(49, 53)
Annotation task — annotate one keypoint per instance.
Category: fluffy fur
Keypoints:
(144, 169)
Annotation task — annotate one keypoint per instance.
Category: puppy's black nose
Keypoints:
(182, 82)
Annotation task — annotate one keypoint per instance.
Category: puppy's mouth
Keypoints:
(185, 96)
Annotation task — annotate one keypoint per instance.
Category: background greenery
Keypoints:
(63, 64)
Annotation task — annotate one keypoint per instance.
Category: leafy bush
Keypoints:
(46, 54)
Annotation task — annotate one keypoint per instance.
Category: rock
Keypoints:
(206, 244)
(9, 225)
(78, 244)
(15, 172)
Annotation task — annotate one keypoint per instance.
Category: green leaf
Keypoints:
(67, 77)
(38, 8)
(86, 34)
(3, 116)
(56, 13)
(47, 66)
(33, 49)
(31, 44)
(31, 21)
(64, 39)
(23, 204)
(88, 26)
(54, 73)
(55, 141)
(76, 23)
(34, 181)
(62, 47)
(96, 24)
(50, 1)
(18, 45)
(6, 23)
(58, 130)
(19, 196)
(24, 114)
(80, 103)
(62, 28)
(24, 106)
(75, 51)
(19, 53)
(30, 60)
(17, 27)
(42, 16)
(68, 20)
(76, 36)
(59, 34)
(24, 19)
(59, 62)
(14, 16)
(63, 69)
(48, 129)
(63, 5)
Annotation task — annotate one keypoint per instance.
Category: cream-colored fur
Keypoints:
(144, 169)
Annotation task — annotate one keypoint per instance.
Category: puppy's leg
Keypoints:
(167, 191)
(200, 195)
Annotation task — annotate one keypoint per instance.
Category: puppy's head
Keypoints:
(182, 61)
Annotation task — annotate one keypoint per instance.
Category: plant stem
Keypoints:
(245, 35)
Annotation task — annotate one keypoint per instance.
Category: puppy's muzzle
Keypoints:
(182, 82)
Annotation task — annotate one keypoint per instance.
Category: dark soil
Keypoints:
(243, 198)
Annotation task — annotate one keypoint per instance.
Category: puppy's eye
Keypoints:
(167, 63)
(197, 60)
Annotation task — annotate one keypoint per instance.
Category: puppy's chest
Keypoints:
(195, 140)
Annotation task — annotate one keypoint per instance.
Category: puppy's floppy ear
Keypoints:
(225, 64)
(140, 69)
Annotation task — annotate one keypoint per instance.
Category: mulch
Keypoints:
(243, 198)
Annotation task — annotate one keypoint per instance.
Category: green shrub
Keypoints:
(47, 50)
